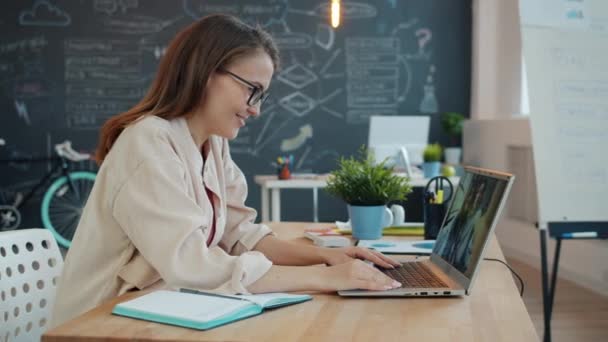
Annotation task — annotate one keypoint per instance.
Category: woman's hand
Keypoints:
(356, 274)
(336, 256)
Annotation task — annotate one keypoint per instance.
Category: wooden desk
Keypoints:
(270, 183)
(494, 312)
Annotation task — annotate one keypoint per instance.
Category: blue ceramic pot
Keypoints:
(367, 222)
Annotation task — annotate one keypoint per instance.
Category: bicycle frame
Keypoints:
(59, 163)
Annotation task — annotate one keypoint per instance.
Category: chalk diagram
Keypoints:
(44, 13)
(376, 72)
(23, 78)
(120, 16)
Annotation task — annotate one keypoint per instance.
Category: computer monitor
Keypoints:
(401, 139)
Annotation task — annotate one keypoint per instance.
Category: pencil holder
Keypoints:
(433, 218)
(284, 172)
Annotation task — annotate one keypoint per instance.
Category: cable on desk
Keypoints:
(521, 282)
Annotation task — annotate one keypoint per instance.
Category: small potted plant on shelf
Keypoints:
(367, 188)
(432, 160)
(451, 123)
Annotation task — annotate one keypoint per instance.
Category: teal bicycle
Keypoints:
(63, 200)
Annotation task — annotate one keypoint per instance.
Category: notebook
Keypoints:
(200, 310)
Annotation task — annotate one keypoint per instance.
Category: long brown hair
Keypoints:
(193, 55)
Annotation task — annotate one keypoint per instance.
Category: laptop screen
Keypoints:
(468, 221)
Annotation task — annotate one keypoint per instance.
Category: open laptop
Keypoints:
(469, 222)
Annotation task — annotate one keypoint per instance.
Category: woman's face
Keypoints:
(224, 109)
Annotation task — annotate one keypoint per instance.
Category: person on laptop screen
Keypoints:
(470, 223)
(168, 206)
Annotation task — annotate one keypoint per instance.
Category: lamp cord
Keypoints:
(521, 282)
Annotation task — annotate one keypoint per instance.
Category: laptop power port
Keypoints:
(446, 292)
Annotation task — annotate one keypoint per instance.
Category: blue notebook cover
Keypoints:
(199, 310)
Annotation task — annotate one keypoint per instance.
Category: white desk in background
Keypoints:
(270, 183)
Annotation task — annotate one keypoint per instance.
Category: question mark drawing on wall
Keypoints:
(423, 35)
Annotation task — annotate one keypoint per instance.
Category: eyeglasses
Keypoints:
(258, 95)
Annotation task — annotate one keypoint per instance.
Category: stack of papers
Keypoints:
(407, 229)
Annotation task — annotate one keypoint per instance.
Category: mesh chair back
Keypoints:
(30, 266)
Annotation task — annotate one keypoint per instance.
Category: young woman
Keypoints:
(167, 208)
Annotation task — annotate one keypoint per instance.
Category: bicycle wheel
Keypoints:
(61, 207)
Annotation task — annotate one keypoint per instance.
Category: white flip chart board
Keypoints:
(565, 45)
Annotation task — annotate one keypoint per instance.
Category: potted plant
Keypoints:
(432, 160)
(451, 123)
(367, 188)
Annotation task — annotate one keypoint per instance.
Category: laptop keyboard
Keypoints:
(414, 274)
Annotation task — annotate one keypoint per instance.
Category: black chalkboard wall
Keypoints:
(67, 65)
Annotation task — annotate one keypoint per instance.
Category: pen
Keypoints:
(210, 294)
(579, 235)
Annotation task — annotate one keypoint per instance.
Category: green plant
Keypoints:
(432, 153)
(451, 122)
(361, 182)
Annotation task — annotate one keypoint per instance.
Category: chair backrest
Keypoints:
(30, 266)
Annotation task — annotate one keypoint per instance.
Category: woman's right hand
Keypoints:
(357, 274)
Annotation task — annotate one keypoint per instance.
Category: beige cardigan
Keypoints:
(148, 217)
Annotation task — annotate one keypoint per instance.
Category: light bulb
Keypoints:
(335, 13)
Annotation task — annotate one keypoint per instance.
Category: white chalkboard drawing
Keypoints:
(269, 119)
(404, 26)
(303, 157)
(322, 103)
(272, 12)
(297, 76)
(298, 103)
(137, 24)
(277, 129)
(429, 104)
(407, 77)
(22, 45)
(269, 13)
(199, 8)
(110, 7)
(43, 13)
(292, 40)
(332, 112)
(32, 85)
(329, 63)
(372, 70)
(22, 113)
(325, 36)
(102, 78)
(415, 40)
(424, 35)
(294, 143)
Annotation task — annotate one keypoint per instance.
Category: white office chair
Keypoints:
(30, 266)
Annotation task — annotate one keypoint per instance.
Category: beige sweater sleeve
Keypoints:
(166, 226)
(242, 234)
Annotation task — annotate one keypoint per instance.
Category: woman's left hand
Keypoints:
(335, 256)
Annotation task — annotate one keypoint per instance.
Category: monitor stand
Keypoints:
(406, 161)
